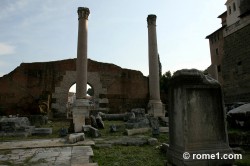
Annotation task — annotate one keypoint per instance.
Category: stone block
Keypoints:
(142, 122)
(85, 128)
(76, 137)
(139, 112)
(42, 131)
(80, 111)
(99, 122)
(152, 141)
(164, 129)
(91, 130)
(130, 132)
(196, 119)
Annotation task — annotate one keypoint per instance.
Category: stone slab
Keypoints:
(130, 132)
(57, 142)
(42, 131)
(164, 129)
(63, 156)
(95, 133)
(76, 137)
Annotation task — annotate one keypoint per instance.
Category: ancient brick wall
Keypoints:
(235, 66)
(30, 83)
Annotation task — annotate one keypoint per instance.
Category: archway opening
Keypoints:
(90, 90)
(72, 97)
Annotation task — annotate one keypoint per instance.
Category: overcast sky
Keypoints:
(46, 30)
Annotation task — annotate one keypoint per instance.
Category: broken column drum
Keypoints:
(81, 108)
(197, 121)
(155, 104)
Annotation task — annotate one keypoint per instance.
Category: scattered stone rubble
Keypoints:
(20, 126)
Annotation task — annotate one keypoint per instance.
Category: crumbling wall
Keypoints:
(31, 83)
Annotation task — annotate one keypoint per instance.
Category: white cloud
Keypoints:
(6, 49)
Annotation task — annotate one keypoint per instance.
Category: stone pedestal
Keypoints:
(155, 106)
(197, 123)
(80, 111)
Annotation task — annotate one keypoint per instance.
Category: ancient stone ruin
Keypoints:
(196, 119)
(32, 83)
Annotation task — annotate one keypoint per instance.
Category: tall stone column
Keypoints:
(82, 60)
(81, 108)
(155, 105)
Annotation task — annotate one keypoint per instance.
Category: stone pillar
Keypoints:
(82, 59)
(155, 105)
(197, 122)
(81, 108)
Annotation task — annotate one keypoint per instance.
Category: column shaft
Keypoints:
(82, 59)
(154, 84)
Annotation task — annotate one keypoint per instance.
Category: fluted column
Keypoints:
(82, 59)
(155, 106)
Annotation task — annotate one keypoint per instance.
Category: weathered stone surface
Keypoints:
(93, 121)
(235, 68)
(76, 137)
(152, 141)
(129, 141)
(154, 123)
(100, 123)
(164, 129)
(137, 123)
(164, 121)
(130, 132)
(119, 117)
(196, 118)
(92, 131)
(42, 131)
(14, 124)
(59, 156)
(154, 105)
(139, 112)
(42, 79)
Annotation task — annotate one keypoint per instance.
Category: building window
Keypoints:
(229, 10)
(234, 6)
(217, 51)
(218, 68)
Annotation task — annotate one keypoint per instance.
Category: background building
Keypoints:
(230, 51)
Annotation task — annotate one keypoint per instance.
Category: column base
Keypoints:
(155, 108)
(79, 112)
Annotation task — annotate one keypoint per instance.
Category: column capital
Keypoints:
(83, 12)
(151, 19)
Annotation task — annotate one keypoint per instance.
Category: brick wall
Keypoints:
(236, 66)
(30, 83)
